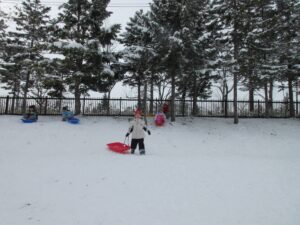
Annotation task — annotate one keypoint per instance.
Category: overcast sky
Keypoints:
(122, 10)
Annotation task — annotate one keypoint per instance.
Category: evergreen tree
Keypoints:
(56, 82)
(183, 42)
(221, 30)
(113, 70)
(41, 75)
(166, 29)
(258, 65)
(81, 43)
(288, 43)
(14, 72)
(199, 52)
(231, 17)
(138, 53)
(249, 55)
(26, 45)
(2, 40)
(105, 104)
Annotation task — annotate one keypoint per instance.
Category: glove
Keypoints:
(127, 134)
(149, 132)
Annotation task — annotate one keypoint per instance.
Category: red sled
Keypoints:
(159, 119)
(118, 147)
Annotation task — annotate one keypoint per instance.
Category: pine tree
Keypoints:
(138, 53)
(113, 70)
(166, 29)
(258, 65)
(231, 17)
(56, 79)
(27, 44)
(221, 28)
(105, 103)
(263, 39)
(81, 43)
(14, 72)
(289, 42)
(199, 52)
(2, 40)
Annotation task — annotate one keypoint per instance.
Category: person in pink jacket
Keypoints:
(138, 128)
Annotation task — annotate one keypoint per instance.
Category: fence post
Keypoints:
(226, 108)
(120, 106)
(6, 104)
(83, 105)
(183, 107)
(258, 108)
(46, 104)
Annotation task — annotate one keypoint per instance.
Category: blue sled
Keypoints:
(73, 120)
(28, 120)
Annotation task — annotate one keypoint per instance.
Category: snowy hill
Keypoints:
(195, 171)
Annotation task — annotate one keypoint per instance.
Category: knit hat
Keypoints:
(32, 107)
(137, 112)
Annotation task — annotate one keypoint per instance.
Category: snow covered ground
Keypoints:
(196, 171)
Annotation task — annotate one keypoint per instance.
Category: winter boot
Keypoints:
(142, 151)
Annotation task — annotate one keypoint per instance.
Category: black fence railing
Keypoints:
(126, 107)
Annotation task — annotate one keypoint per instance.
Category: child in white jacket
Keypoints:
(137, 128)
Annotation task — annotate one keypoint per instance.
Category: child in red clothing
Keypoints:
(166, 110)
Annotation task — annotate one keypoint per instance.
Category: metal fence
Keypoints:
(126, 107)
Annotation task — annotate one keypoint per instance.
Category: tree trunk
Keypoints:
(77, 97)
(195, 106)
(225, 98)
(151, 110)
(13, 103)
(297, 93)
(183, 102)
(226, 103)
(108, 103)
(271, 97)
(16, 90)
(173, 96)
(194, 97)
(251, 98)
(236, 56)
(25, 92)
(145, 99)
(291, 97)
(145, 102)
(235, 105)
(223, 95)
(266, 98)
(60, 94)
(139, 94)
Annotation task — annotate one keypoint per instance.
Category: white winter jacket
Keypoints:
(138, 127)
